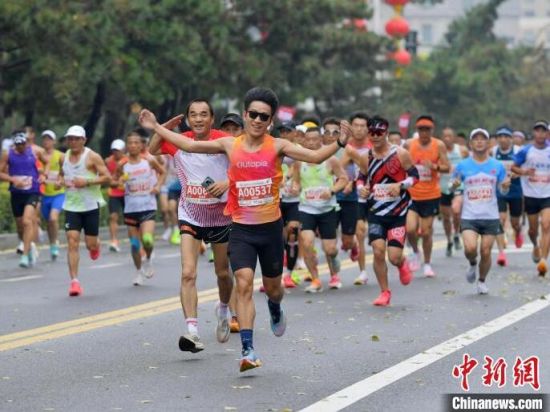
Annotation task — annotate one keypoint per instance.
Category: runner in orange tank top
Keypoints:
(429, 155)
(254, 175)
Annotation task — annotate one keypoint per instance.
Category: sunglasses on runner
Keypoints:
(377, 131)
(264, 117)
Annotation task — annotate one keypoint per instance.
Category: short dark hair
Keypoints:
(199, 100)
(425, 117)
(359, 115)
(396, 132)
(375, 120)
(331, 120)
(461, 134)
(262, 94)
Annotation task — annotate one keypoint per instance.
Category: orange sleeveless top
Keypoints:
(254, 181)
(427, 187)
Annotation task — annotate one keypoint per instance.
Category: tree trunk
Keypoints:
(95, 114)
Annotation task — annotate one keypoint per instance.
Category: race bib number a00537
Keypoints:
(254, 192)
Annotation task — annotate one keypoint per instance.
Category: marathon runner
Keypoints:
(429, 155)
(255, 176)
(532, 163)
(204, 185)
(319, 184)
(451, 202)
(481, 176)
(142, 179)
(512, 201)
(387, 173)
(331, 130)
(115, 191)
(19, 167)
(169, 208)
(83, 171)
(52, 200)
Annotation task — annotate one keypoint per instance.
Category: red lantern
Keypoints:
(397, 27)
(360, 24)
(402, 57)
(397, 2)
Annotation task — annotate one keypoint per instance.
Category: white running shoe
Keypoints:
(139, 280)
(361, 279)
(166, 234)
(34, 254)
(414, 262)
(300, 264)
(222, 328)
(471, 274)
(147, 268)
(20, 248)
(482, 288)
(428, 271)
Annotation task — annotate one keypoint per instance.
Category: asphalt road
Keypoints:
(115, 348)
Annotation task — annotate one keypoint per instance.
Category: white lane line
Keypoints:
(107, 265)
(359, 390)
(21, 278)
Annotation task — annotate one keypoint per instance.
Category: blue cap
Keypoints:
(504, 131)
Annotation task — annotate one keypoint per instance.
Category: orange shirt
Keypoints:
(112, 164)
(254, 181)
(427, 187)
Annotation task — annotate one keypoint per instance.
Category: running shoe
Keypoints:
(354, 253)
(414, 262)
(300, 264)
(139, 279)
(75, 289)
(405, 273)
(222, 328)
(234, 325)
(249, 361)
(210, 256)
(262, 289)
(519, 240)
(383, 299)
(24, 261)
(288, 283)
(335, 282)
(278, 328)
(449, 251)
(20, 248)
(315, 286)
(535, 255)
(501, 259)
(361, 279)
(147, 268)
(295, 277)
(471, 274)
(114, 247)
(542, 267)
(175, 238)
(54, 251)
(41, 235)
(94, 253)
(457, 243)
(428, 270)
(166, 234)
(190, 343)
(482, 288)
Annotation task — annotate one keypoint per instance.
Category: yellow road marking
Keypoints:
(115, 317)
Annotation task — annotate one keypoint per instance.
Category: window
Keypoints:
(529, 37)
(426, 34)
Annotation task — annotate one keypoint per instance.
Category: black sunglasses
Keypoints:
(377, 131)
(264, 117)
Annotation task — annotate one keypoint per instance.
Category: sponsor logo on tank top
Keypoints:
(248, 164)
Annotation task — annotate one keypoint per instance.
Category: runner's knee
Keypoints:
(135, 246)
(148, 240)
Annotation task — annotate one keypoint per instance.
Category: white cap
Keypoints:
(49, 133)
(478, 131)
(118, 144)
(77, 131)
(301, 128)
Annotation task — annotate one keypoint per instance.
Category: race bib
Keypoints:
(254, 192)
(52, 176)
(27, 181)
(313, 194)
(195, 193)
(539, 178)
(139, 188)
(480, 194)
(382, 193)
(424, 173)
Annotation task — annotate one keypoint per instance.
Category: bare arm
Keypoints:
(148, 120)
(443, 162)
(156, 140)
(340, 174)
(161, 173)
(405, 158)
(4, 168)
(104, 177)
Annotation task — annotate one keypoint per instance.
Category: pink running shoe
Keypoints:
(501, 260)
(519, 240)
(94, 253)
(335, 282)
(354, 253)
(288, 283)
(383, 299)
(405, 274)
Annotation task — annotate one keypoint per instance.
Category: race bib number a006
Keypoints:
(195, 193)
